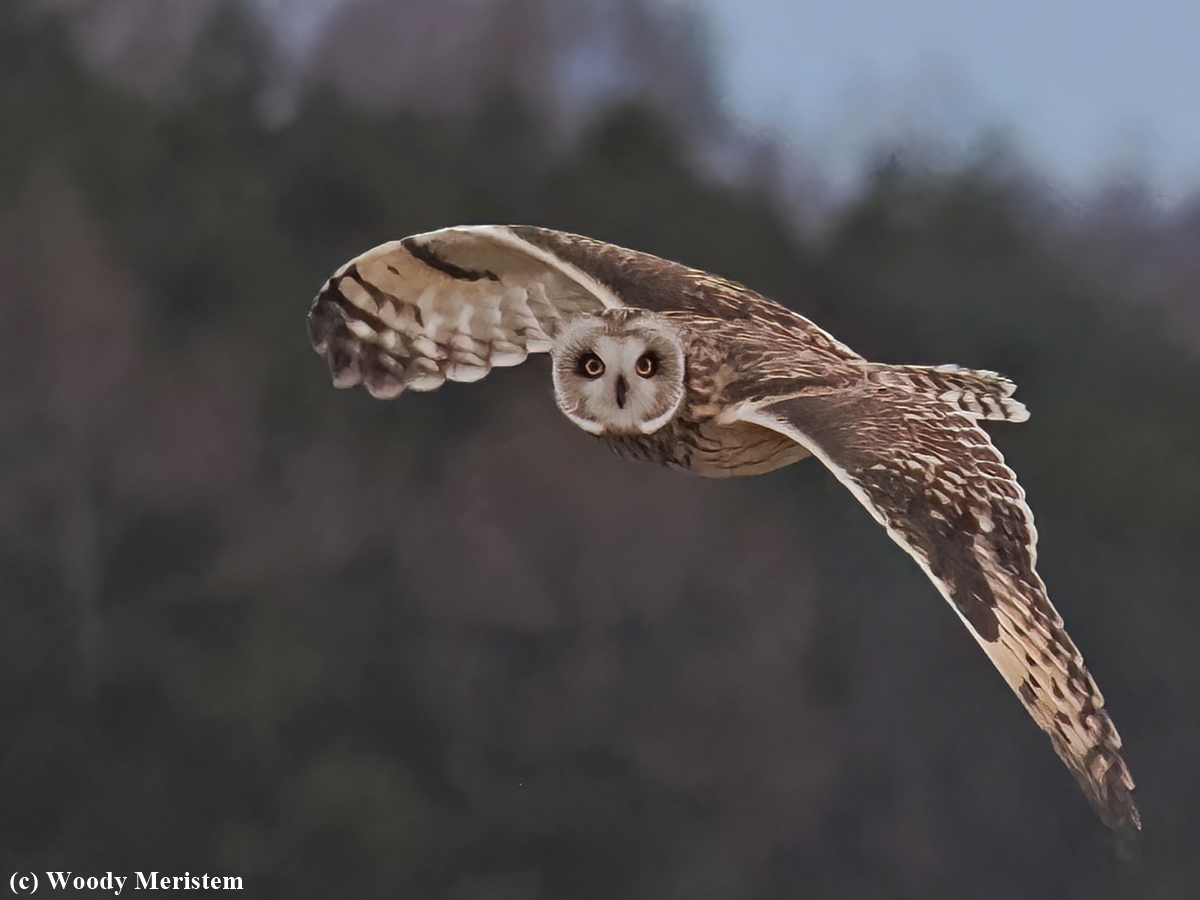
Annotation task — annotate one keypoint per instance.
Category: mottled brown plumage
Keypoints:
(762, 387)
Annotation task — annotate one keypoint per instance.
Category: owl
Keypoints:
(673, 365)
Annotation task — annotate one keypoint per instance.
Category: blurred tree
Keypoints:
(448, 647)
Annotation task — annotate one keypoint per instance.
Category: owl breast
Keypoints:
(741, 448)
(711, 449)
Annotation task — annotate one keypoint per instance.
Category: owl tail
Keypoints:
(978, 392)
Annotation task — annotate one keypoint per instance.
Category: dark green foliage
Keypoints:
(447, 647)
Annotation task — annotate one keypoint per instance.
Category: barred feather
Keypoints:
(977, 392)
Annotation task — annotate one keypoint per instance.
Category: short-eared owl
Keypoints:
(674, 365)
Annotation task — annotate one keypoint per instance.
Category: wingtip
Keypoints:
(1112, 798)
(1015, 411)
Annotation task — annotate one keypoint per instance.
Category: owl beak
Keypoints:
(622, 390)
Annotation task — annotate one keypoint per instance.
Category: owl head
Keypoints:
(619, 372)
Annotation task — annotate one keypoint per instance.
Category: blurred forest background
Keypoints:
(449, 647)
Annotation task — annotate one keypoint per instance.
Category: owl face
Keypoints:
(619, 372)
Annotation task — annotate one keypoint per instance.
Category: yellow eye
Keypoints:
(591, 365)
(646, 365)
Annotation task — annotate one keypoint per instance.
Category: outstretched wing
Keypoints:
(931, 476)
(453, 303)
(450, 304)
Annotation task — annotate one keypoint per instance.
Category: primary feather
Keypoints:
(451, 304)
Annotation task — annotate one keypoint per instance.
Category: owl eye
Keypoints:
(591, 365)
(646, 365)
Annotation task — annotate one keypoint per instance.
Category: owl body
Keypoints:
(680, 367)
(702, 437)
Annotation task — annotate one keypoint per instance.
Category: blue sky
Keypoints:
(1089, 90)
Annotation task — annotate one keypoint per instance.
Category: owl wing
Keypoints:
(449, 304)
(931, 476)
